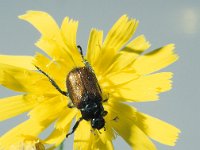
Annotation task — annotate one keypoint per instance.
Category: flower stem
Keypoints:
(61, 146)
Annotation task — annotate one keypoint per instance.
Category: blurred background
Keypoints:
(162, 22)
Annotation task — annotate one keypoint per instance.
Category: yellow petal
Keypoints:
(89, 139)
(57, 52)
(19, 79)
(137, 45)
(116, 108)
(61, 130)
(121, 62)
(50, 109)
(116, 79)
(16, 78)
(52, 68)
(15, 105)
(157, 129)
(19, 61)
(53, 48)
(69, 30)
(117, 37)
(82, 135)
(127, 129)
(145, 88)
(15, 135)
(107, 134)
(56, 137)
(94, 46)
(133, 135)
(109, 145)
(28, 143)
(51, 41)
(42, 22)
(120, 33)
(128, 54)
(155, 60)
(99, 145)
(66, 117)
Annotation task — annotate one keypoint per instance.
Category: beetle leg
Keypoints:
(87, 64)
(93, 131)
(84, 60)
(75, 127)
(53, 82)
(105, 100)
(81, 50)
(104, 113)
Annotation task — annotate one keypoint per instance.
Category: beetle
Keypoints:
(85, 93)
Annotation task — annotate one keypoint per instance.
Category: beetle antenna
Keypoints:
(53, 82)
(99, 131)
(84, 60)
(80, 49)
(74, 127)
(93, 131)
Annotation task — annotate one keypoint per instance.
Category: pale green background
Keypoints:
(161, 21)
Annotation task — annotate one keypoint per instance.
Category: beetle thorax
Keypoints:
(91, 109)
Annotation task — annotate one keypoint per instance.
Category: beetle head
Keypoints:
(98, 123)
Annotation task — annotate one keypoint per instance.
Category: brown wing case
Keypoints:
(82, 86)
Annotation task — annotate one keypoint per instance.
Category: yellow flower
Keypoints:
(125, 73)
(28, 143)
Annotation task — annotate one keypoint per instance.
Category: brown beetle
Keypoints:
(85, 94)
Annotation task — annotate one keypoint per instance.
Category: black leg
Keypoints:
(99, 131)
(87, 64)
(52, 82)
(75, 127)
(92, 131)
(81, 50)
(104, 113)
(105, 100)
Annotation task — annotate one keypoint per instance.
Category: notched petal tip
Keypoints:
(157, 129)
(43, 22)
(18, 61)
(156, 59)
(176, 138)
(125, 17)
(138, 45)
